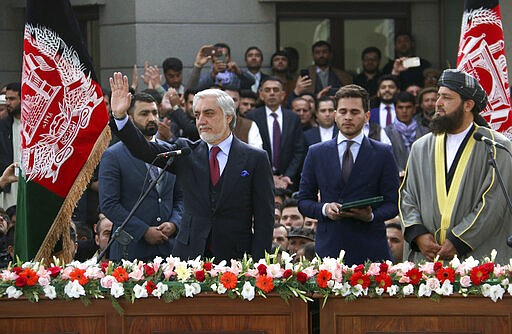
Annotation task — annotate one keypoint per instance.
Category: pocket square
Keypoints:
(244, 173)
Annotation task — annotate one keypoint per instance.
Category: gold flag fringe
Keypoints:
(61, 224)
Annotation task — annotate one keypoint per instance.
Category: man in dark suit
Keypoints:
(228, 191)
(325, 118)
(281, 132)
(122, 178)
(348, 168)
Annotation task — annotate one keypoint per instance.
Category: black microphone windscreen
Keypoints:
(186, 151)
(478, 136)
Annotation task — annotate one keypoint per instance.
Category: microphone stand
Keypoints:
(492, 162)
(120, 235)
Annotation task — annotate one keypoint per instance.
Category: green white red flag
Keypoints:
(63, 127)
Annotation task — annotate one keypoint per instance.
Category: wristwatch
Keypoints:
(117, 118)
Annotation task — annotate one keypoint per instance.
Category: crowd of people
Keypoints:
(311, 139)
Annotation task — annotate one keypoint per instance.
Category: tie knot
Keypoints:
(273, 114)
(214, 151)
(349, 143)
(388, 108)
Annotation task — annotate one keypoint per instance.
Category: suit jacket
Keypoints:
(375, 115)
(397, 142)
(292, 147)
(312, 136)
(374, 174)
(6, 152)
(242, 218)
(122, 179)
(337, 78)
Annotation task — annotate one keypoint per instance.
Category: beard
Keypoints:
(149, 129)
(448, 122)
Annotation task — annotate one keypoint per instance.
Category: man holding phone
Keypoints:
(345, 169)
(223, 71)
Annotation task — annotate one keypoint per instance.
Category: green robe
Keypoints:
(473, 214)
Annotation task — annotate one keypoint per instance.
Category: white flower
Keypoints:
(12, 292)
(49, 292)
(44, 281)
(505, 282)
(357, 290)
(509, 289)
(486, 290)
(424, 290)
(286, 257)
(140, 290)
(221, 289)
(182, 272)
(192, 289)
(408, 290)
(446, 289)
(379, 291)
(455, 262)
(160, 290)
(117, 289)
(465, 281)
(74, 289)
(392, 290)
(433, 283)
(213, 287)
(493, 255)
(496, 292)
(248, 291)
(341, 256)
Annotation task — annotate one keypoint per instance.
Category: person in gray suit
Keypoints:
(123, 178)
(228, 189)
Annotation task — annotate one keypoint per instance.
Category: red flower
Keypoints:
(302, 277)
(21, 281)
(150, 286)
(287, 273)
(489, 267)
(120, 275)
(383, 280)
(54, 271)
(78, 275)
(414, 275)
(104, 266)
(479, 274)
(444, 274)
(229, 280)
(30, 275)
(322, 278)
(438, 265)
(360, 278)
(149, 270)
(359, 268)
(17, 270)
(384, 267)
(200, 275)
(262, 269)
(207, 266)
(265, 283)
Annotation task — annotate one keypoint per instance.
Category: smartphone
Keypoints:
(211, 51)
(304, 73)
(411, 62)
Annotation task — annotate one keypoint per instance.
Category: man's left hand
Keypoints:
(447, 251)
(364, 214)
(167, 228)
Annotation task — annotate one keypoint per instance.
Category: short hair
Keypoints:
(278, 225)
(223, 45)
(403, 33)
(394, 225)
(11, 211)
(154, 93)
(172, 64)
(371, 49)
(189, 91)
(250, 48)
(289, 203)
(309, 251)
(354, 91)
(224, 101)
(387, 77)
(97, 229)
(405, 97)
(142, 97)
(272, 78)
(14, 86)
(249, 94)
(300, 98)
(426, 91)
(231, 88)
(325, 99)
(321, 43)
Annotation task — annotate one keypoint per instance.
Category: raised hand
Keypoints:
(121, 97)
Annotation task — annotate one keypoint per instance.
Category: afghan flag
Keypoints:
(63, 128)
(482, 54)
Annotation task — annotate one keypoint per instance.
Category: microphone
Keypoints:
(175, 153)
(479, 137)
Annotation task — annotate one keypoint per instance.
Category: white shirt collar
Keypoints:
(358, 139)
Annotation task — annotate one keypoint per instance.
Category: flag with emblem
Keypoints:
(482, 54)
(63, 128)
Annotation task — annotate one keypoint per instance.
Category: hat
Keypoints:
(301, 232)
(466, 86)
(3, 100)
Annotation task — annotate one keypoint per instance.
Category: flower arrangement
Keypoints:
(173, 278)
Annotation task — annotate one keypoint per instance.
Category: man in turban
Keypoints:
(451, 202)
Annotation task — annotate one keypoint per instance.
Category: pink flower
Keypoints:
(373, 270)
(465, 281)
(275, 271)
(107, 281)
(310, 271)
(427, 268)
(137, 274)
(44, 280)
